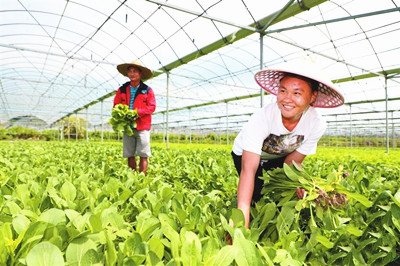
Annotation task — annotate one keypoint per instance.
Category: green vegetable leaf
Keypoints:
(360, 198)
(68, 191)
(237, 217)
(146, 224)
(225, 256)
(156, 247)
(111, 253)
(191, 249)
(45, 253)
(77, 249)
(290, 172)
(324, 241)
(247, 253)
(173, 236)
(91, 258)
(20, 223)
(354, 230)
(53, 216)
(285, 220)
(268, 211)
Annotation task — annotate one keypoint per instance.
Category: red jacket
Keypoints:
(145, 103)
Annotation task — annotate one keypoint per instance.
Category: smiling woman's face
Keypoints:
(294, 97)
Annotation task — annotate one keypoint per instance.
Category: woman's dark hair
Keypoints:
(313, 83)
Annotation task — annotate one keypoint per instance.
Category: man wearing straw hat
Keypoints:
(284, 131)
(137, 95)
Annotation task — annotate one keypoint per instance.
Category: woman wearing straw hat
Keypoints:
(281, 132)
(139, 96)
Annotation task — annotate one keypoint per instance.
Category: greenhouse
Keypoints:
(67, 192)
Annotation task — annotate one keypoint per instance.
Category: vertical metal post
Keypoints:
(164, 129)
(87, 125)
(167, 114)
(351, 131)
(393, 134)
(102, 125)
(329, 135)
(261, 66)
(337, 132)
(220, 132)
(69, 128)
(62, 130)
(190, 125)
(198, 133)
(227, 124)
(370, 142)
(76, 126)
(387, 116)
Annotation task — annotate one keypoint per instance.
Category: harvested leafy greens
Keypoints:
(122, 119)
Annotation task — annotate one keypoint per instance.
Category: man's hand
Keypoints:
(300, 192)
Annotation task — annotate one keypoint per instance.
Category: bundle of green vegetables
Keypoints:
(280, 186)
(122, 119)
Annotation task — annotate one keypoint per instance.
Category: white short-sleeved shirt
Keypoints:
(265, 134)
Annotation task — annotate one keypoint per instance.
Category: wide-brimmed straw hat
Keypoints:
(123, 69)
(328, 96)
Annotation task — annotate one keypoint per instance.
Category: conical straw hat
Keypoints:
(328, 96)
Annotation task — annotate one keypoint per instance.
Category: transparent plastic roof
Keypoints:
(59, 58)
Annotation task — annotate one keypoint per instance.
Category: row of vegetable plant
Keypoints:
(74, 203)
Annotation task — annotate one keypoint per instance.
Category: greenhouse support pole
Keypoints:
(336, 132)
(164, 129)
(198, 132)
(261, 66)
(271, 20)
(219, 132)
(329, 137)
(190, 125)
(102, 125)
(167, 113)
(393, 134)
(351, 131)
(62, 131)
(227, 123)
(76, 126)
(387, 116)
(69, 128)
(87, 126)
(370, 142)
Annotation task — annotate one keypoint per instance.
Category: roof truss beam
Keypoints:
(380, 12)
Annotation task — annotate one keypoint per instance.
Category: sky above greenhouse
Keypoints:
(59, 58)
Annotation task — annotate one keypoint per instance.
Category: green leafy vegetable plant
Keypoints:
(81, 204)
(122, 119)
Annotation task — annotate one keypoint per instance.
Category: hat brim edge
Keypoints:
(123, 69)
(329, 85)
